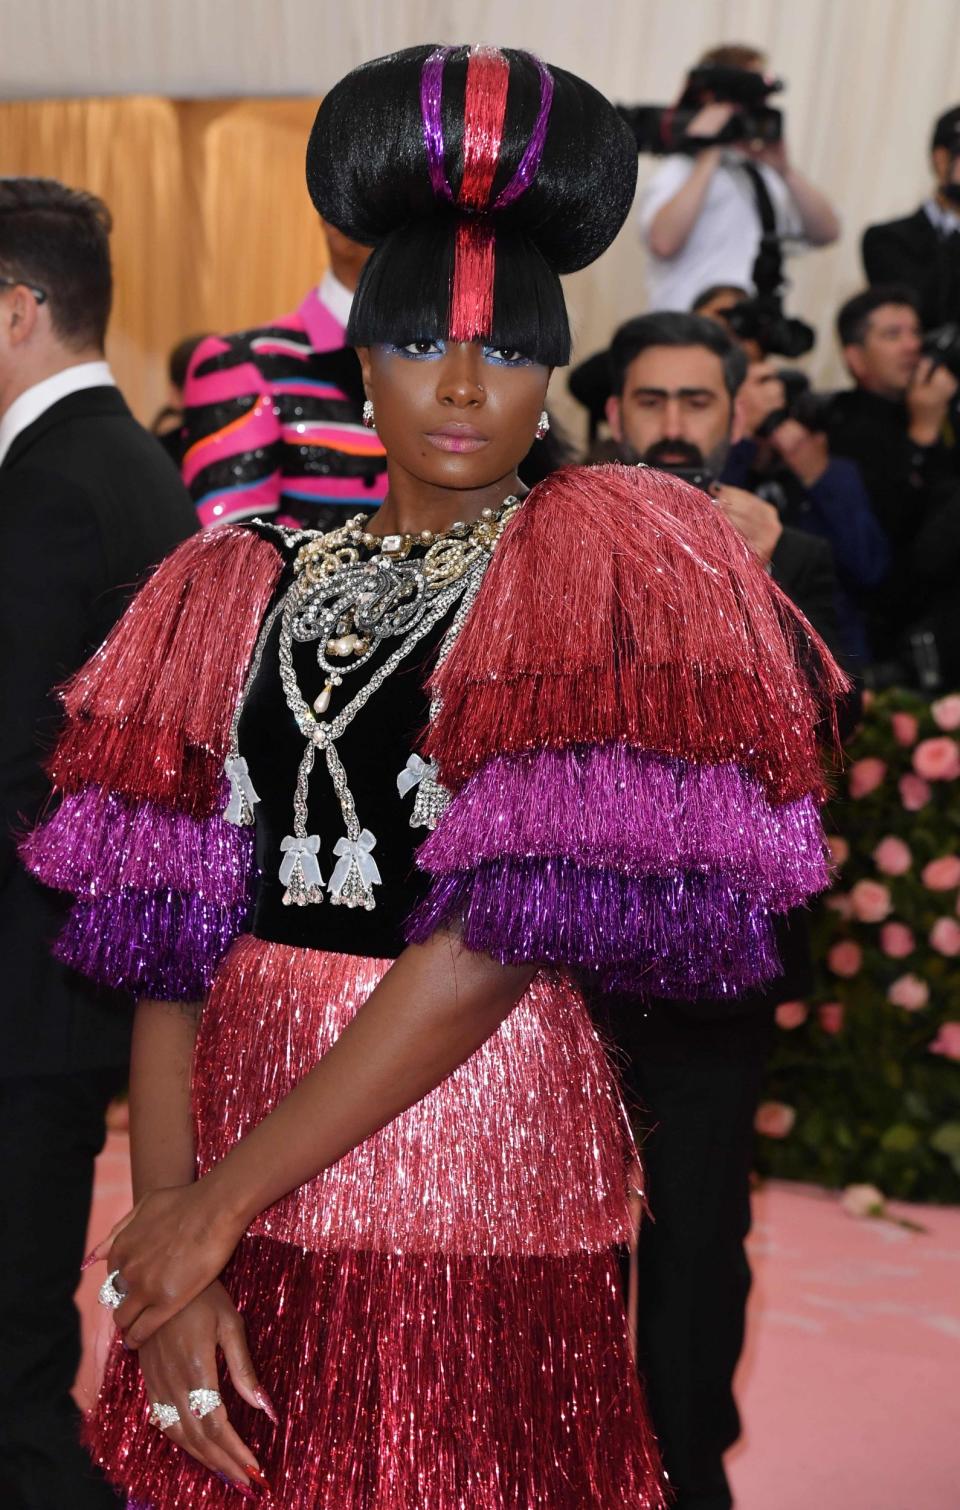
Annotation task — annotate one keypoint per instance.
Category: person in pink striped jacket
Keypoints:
(273, 416)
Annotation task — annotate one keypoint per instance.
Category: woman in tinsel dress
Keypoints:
(402, 1159)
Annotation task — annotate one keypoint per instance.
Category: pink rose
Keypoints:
(863, 1200)
(946, 712)
(937, 759)
(866, 775)
(942, 874)
(909, 992)
(831, 1016)
(840, 903)
(871, 901)
(897, 940)
(839, 849)
(947, 1041)
(790, 1014)
(845, 958)
(892, 856)
(774, 1119)
(945, 937)
(905, 729)
(915, 793)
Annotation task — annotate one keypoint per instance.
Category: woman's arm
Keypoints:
(434, 1007)
(161, 1126)
(431, 1011)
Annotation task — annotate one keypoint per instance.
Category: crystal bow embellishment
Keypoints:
(243, 794)
(416, 770)
(302, 850)
(354, 852)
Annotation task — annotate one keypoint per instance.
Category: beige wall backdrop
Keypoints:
(213, 228)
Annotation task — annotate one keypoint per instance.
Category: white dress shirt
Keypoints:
(723, 244)
(42, 396)
(336, 296)
(944, 219)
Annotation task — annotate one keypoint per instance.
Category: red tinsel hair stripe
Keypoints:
(485, 108)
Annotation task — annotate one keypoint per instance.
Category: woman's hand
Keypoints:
(172, 1245)
(182, 1356)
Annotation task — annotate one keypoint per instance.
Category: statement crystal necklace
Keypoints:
(351, 606)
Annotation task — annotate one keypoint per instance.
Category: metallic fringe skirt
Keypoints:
(437, 1318)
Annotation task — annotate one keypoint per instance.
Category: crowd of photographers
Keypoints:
(853, 497)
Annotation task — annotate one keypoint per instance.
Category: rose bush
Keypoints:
(864, 1085)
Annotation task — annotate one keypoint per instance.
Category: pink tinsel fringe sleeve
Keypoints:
(149, 714)
(632, 741)
(162, 883)
(621, 605)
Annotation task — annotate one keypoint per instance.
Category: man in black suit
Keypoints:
(88, 501)
(923, 249)
(895, 424)
(694, 1069)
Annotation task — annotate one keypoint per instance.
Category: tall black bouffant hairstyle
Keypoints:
(478, 175)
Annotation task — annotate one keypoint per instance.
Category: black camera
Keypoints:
(809, 409)
(762, 318)
(697, 477)
(943, 346)
(660, 129)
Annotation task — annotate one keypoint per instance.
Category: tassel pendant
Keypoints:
(300, 871)
(431, 798)
(243, 795)
(355, 874)
(430, 804)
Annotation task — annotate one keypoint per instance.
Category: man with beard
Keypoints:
(695, 1069)
(675, 380)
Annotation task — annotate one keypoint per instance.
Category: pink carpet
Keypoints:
(851, 1377)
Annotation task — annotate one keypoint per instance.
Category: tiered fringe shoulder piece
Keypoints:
(162, 882)
(628, 723)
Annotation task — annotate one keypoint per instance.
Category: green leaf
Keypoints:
(946, 1139)
(900, 1138)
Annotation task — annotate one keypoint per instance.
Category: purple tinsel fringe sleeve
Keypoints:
(160, 945)
(614, 808)
(684, 936)
(98, 843)
(160, 895)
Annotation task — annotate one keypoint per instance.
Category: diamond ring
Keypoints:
(111, 1294)
(202, 1402)
(163, 1416)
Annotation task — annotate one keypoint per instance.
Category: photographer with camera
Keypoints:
(727, 181)
(922, 250)
(696, 1068)
(784, 456)
(893, 424)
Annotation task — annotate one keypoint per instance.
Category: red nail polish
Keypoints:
(266, 1405)
(248, 1494)
(90, 1259)
(257, 1476)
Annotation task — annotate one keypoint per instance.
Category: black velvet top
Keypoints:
(374, 749)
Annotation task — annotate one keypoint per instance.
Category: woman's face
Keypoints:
(454, 415)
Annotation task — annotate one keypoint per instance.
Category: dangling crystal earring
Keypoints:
(368, 413)
(543, 425)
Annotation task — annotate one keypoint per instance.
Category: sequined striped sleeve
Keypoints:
(232, 464)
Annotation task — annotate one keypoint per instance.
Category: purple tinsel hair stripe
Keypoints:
(98, 843)
(688, 936)
(614, 808)
(160, 945)
(431, 99)
(530, 161)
